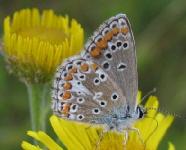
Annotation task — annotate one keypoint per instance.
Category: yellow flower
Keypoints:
(35, 44)
(78, 136)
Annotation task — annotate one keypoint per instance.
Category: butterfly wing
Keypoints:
(82, 91)
(112, 47)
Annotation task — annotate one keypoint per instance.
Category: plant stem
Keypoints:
(38, 100)
(34, 104)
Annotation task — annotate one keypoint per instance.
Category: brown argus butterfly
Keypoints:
(100, 85)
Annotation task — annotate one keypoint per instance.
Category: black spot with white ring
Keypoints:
(106, 65)
(114, 96)
(80, 117)
(108, 56)
(118, 44)
(102, 77)
(96, 111)
(113, 47)
(80, 100)
(96, 81)
(125, 45)
(121, 66)
(73, 108)
(102, 103)
(81, 77)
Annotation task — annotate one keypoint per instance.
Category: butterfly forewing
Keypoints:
(112, 47)
(84, 92)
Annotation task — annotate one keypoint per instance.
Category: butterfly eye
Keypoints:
(80, 100)
(106, 65)
(102, 103)
(121, 66)
(114, 96)
(96, 111)
(96, 81)
(125, 45)
(80, 117)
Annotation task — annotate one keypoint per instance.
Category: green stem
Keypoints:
(44, 105)
(38, 100)
(34, 95)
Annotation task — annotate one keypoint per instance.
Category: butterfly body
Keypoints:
(100, 85)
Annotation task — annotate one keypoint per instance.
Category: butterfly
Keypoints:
(100, 85)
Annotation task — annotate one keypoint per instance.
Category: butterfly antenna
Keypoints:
(148, 94)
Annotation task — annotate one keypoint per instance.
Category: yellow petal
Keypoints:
(163, 124)
(171, 146)
(63, 131)
(27, 146)
(45, 139)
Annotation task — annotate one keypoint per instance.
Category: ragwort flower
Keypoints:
(83, 137)
(35, 44)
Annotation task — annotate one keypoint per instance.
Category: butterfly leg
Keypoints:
(103, 132)
(138, 132)
(126, 136)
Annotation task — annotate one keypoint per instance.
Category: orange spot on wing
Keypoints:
(67, 86)
(66, 108)
(68, 77)
(102, 43)
(94, 66)
(108, 36)
(73, 70)
(96, 52)
(84, 67)
(115, 31)
(67, 95)
(124, 30)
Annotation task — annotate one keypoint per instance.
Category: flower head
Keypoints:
(82, 136)
(35, 44)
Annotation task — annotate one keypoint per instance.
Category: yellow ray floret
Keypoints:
(34, 43)
(85, 137)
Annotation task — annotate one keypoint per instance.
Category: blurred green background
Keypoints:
(160, 33)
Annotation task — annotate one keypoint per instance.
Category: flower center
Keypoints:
(52, 35)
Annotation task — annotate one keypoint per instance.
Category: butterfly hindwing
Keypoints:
(112, 47)
(84, 92)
